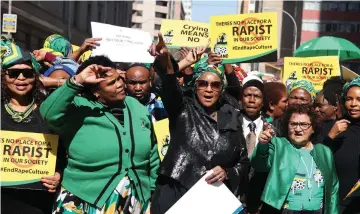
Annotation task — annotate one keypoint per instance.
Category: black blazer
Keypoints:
(199, 143)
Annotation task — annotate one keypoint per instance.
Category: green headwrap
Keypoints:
(202, 66)
(58, 44)
(304, 84)
(12, 54)
(348, 85)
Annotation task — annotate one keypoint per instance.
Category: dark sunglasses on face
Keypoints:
(14, 73)
(203, 84)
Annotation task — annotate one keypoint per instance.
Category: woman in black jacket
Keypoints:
(343, 139)
(21, 95)
(206, 134)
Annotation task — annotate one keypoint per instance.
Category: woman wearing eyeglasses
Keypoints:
(302, 176)
(205, 133)
(21, 94)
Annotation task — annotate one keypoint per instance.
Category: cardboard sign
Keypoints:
(245, 37)
(26, 157)
(162, 133)
(178, 33)
(122, 44)
(9, 23)
(314, 69)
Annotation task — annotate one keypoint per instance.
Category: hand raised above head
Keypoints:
(89, 44)
(214, 59)
(159, 48)
(93, 74)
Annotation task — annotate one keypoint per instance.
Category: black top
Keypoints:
(199, 143)
(346, 148)
(25, 200)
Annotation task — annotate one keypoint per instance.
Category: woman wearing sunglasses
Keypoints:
(205, 134)
(302, 176)
(21, 94)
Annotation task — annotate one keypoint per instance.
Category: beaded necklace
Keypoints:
(20, 116)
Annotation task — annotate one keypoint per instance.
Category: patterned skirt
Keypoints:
(122, 201)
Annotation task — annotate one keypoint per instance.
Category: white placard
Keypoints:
(207, 198)
(122, 44)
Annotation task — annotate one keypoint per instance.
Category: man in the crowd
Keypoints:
(138, 82)
(253, 122)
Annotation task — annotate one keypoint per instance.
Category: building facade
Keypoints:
(39, 19)
(336, 18)
(147, 15)
(187, 9)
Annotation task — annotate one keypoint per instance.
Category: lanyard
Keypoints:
(309, 174)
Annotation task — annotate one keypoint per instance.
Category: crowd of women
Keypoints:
(279, 149)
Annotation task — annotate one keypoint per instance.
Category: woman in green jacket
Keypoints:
(302, 176)
(112, 152)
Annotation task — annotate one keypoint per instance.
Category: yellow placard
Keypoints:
(314, 69)
(26, 157)
(162, 133)
(245, 37)
(179, 33)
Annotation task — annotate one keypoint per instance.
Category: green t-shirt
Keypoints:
(305, 193)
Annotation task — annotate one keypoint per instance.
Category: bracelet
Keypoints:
(73, 81)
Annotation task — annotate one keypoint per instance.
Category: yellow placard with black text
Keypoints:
(179, 33)
(26, 157)
(248, 37)
(162, 133)
(314, 69)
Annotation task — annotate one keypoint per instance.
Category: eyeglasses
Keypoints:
(27, 73)
(302, 125)
(203, 84)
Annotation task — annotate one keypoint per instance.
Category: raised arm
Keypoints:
(56, 109)
(166, 67)
(262, 156)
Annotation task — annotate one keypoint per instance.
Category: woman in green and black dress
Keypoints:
(21, 94)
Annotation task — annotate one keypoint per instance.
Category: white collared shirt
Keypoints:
(259, 126)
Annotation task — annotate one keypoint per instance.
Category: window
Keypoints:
(342, 6)
(160, 15)
(157, 27)
(334, 27)
(138, 2)
(353, 7)
(327, 27)
(136, 25)
(137, 13)
(161, 3)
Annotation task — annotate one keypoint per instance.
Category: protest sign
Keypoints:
(122, 44)
(26, 157)
(9, 23)
(314, 69)
(207, 198)
(178, 33)
(163, 136)
(245, 37)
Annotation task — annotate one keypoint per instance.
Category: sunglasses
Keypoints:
(203, 84)
(27, 73)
